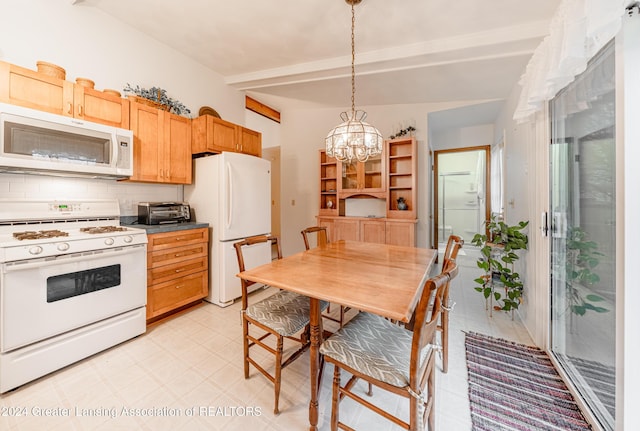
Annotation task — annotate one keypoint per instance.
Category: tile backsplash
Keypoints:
(49, 187)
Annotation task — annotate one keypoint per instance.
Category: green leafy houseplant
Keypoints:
(582, 258)
(497, 260)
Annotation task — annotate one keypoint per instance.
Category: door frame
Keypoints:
(487, 188)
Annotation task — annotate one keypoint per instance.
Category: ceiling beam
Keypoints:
(497, 42)
(262, 109)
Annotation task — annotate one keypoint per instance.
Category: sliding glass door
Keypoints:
(583, 232)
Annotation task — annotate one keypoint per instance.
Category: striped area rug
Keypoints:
(513, 387)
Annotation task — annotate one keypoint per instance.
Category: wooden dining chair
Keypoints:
(450, 251)
(322, 238)
(282, 315)
(454, 244)
(391, 357)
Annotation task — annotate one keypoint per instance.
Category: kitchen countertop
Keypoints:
(161, 228)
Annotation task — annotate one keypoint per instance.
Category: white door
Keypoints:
(583, 201)
(245, 196)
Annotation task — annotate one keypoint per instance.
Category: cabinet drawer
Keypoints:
(160, 241)
(164, 273)
(167, 296)
(176, 255)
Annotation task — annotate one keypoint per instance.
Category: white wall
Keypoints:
(471, 136)
(270, 129)
(526, 183)
(91, 44)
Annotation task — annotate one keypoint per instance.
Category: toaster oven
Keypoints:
(152, 213)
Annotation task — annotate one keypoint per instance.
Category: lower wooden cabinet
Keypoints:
(400, 233)
(373, 231)
(377, 230)
(345, 228)
(177, 270)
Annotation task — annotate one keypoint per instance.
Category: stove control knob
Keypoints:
(63, 246)
(109, 241)
(128, 239)
(35, 250)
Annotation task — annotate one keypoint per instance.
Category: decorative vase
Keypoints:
(402, 204)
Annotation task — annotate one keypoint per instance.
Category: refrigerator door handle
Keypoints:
(229, 196)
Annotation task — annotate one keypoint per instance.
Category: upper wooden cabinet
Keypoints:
(328, 184)
(250, 141)
(177, 138)
(402, 167)
(162, 146)
(31, 89)
(214, 135)
(99, 107)
(362, 178)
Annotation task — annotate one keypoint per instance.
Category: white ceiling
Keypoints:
(286, 52)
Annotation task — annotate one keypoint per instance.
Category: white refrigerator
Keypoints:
(231, 192)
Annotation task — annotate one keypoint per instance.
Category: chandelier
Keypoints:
(353, 139)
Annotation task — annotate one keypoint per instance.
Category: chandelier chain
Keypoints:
(353, 58)
(353, 139)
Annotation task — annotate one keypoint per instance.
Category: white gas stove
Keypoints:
(31, 229)
(72, 283)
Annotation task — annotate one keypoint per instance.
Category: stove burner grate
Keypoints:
(102, 229)
(31, 234)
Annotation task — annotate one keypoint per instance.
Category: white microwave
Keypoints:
(38, 142)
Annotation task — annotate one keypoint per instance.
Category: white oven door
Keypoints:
(40, 298)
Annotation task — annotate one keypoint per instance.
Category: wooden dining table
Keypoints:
(375, 278)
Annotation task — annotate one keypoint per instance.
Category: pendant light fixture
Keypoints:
(353, 139)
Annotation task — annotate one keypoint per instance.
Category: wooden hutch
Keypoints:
(387, 177)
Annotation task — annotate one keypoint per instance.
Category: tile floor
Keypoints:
(186, 374)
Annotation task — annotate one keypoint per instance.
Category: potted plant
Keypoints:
(498, 256)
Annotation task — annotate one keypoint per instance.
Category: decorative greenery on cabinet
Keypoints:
(160, 97)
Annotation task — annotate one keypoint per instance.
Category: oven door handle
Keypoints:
(43, 262)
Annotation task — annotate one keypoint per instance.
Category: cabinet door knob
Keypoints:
(80, 113)
(70, 108)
